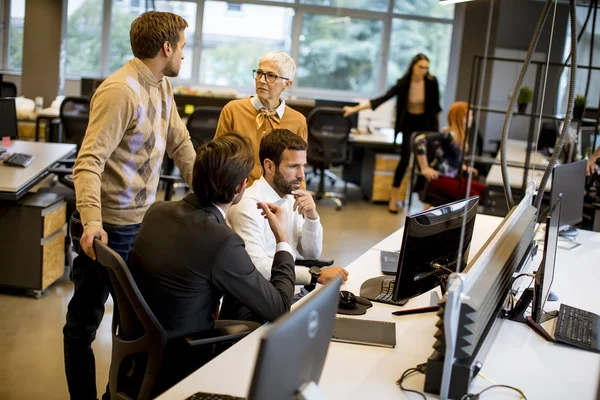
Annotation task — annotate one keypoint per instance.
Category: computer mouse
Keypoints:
(347, 300)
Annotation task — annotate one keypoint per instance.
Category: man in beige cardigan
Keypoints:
(133, 120)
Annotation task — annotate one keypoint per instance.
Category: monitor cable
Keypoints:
(419, 369)
(476, 396)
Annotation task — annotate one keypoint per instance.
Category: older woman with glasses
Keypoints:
(259, 115)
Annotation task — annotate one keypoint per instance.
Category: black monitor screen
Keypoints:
(430, 247)
(545, 274)
(8, 118)
(569, 179)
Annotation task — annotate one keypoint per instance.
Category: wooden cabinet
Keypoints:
(383, 176)
(32, 241)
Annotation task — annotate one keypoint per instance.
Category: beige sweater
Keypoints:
(133, 120)
(240, 116)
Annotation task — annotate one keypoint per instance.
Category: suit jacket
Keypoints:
(401, 90)
(185, 258)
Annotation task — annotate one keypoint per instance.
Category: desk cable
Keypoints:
(418, 369)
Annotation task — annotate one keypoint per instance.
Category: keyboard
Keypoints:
(213, 396)
(387, 292)
(578, 328)
(19, 160)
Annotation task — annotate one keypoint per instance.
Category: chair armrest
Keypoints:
(171, 178)
(224, 331)
(61, 171)
(314, 263)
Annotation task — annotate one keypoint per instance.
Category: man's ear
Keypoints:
(269, 166)
(167, 48)
(240, 188)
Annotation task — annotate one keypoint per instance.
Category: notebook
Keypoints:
(362, 331)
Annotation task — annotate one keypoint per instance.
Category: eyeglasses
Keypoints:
(269, 76)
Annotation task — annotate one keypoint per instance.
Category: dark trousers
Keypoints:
(409, 124)
(86, 308)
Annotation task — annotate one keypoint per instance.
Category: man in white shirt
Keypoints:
(283, 158)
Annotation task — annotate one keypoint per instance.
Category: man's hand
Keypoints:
(90, 232)
(277, 219)
(591, 166)
(430, 174)
(305, 204)
(329, 273)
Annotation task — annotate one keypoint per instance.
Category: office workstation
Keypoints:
(298, 199)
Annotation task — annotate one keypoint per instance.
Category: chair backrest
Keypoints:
(202, 124)
(8, 89)
(74, 117)
(135, 329)
(328, 132)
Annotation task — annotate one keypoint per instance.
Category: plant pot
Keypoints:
(522, 108)
(578, 112)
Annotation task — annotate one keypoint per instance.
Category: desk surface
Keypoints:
(13, 179)
(380, 136)
(518, 357)
(516, 152)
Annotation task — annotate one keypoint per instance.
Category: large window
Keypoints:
(122, 15)
(425, 8)
(84, 37)
(339, 53)
(235, 36)
(374, 5)
(410, 37)
(15, 34)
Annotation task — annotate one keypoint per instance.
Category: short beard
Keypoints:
(281, 184)
(170, 71)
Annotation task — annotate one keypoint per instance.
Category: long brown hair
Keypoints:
(416, 59)
(457, 117)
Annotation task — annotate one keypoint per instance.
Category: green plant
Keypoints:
(580, 102)
(525, 95)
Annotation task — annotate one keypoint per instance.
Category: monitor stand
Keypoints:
(517, 314)
(568, 231)
(310, 391)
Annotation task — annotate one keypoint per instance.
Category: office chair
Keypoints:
(8, 89)
(139, 342)
(328, 132)
(418, 183)
(202, 124)
(74, 117)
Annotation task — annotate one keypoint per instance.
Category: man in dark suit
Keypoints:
(185, 257)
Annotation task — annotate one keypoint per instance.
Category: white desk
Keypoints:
(518, 357)
(516, 152)
(380, 136)
(15, 181)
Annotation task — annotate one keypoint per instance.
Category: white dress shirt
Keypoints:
(259, 106)
(305, 236)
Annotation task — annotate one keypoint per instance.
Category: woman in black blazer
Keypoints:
(417, 109)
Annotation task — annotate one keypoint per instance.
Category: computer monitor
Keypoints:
(545, 273)
(569, 179)
(89, 86)
(292, 353)
(430, 247)
(8, 118)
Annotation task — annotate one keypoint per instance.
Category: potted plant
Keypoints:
(579, 107)
(525, 97)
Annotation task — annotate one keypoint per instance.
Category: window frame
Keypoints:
(300, 10)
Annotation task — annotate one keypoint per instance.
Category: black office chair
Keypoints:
(418, 183)
(202, 124)
(328, 145)
(8, 89)
(139, 342)
(74, 117)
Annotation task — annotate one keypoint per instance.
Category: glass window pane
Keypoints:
(15, 34)
(426, 8)
(233, 40)
(339, 53)
(412, 37)
(84, 37)
(373, 5)
(124, 14)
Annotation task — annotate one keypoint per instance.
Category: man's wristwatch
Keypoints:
(315, 273)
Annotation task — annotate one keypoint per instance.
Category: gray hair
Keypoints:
(285, 63)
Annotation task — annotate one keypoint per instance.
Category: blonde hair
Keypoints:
(285, 63)
(457, 117)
